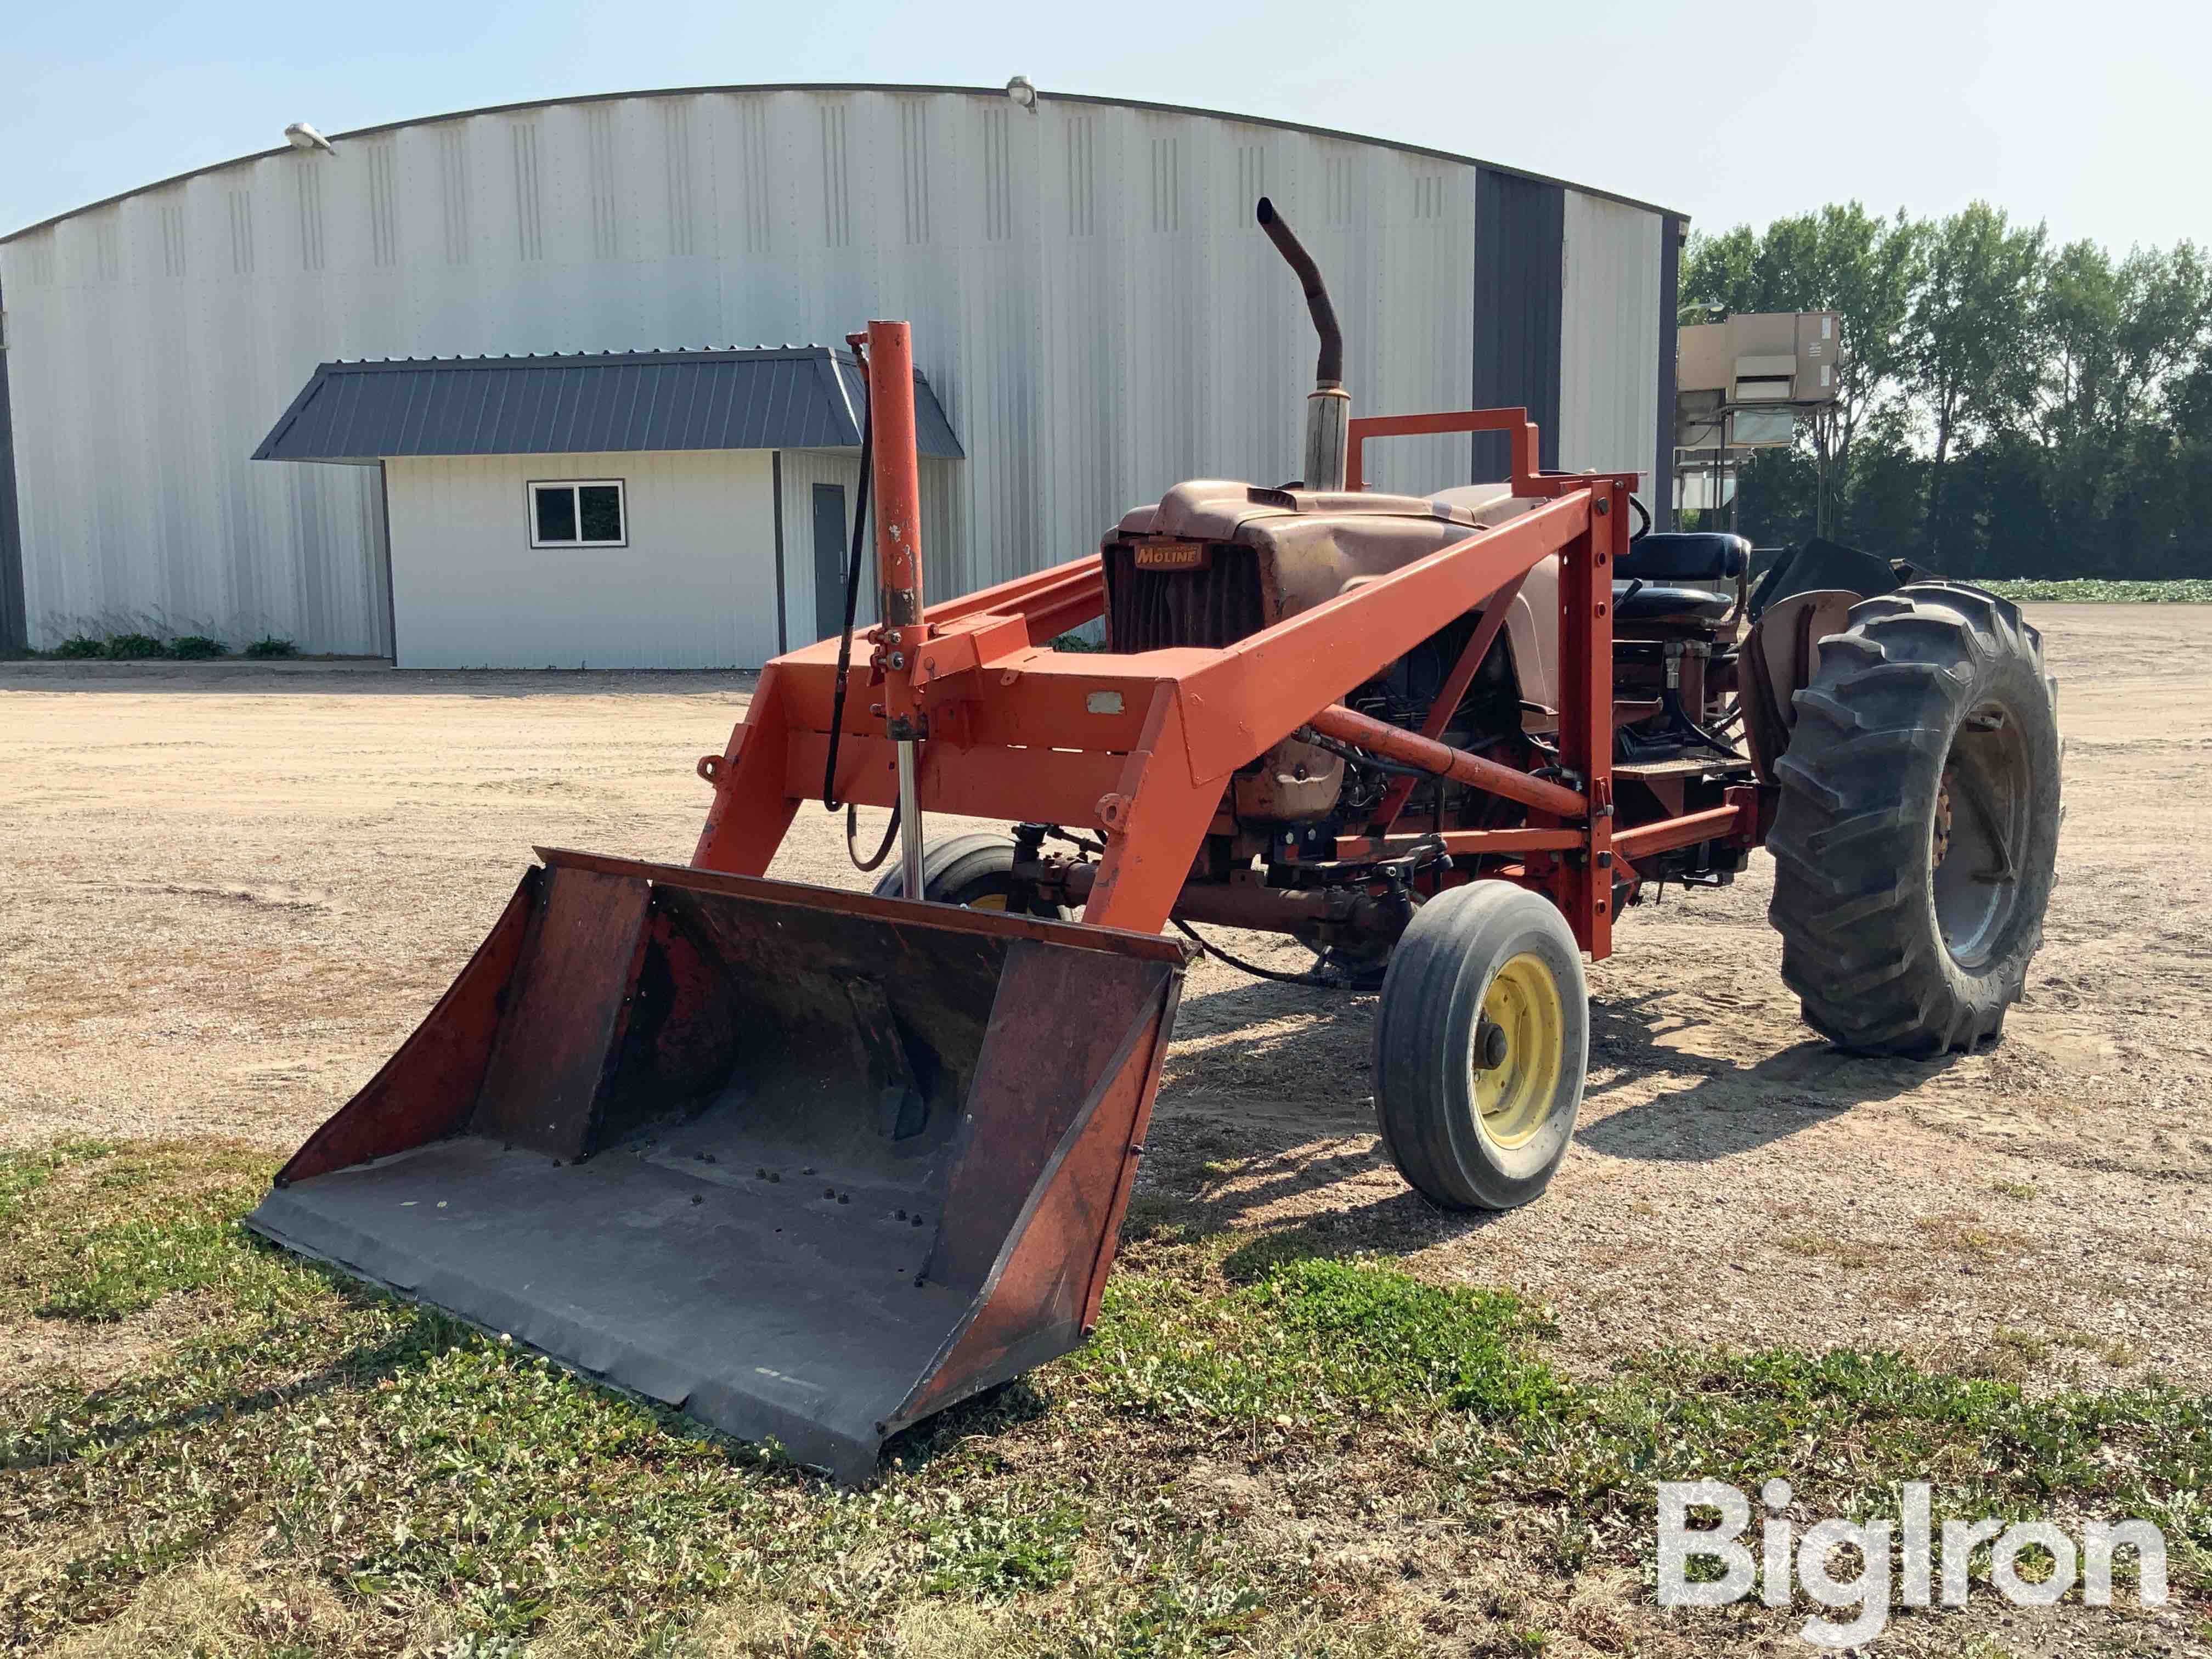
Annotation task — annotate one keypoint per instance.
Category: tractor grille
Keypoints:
(1154, 609)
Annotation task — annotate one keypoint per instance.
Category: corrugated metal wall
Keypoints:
(1519, 262)
(13, 634)
(695, 588)
(1661, 498)
(1092, 301)
(1609, 352)
(148, 339)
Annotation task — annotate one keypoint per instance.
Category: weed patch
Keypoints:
(2099, 590)
(1965, 1233)
(1824, 1246)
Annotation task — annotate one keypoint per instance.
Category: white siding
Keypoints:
(1609, 340)
(802, 469)
(1092, 301)
(805, 468)
(695, 588)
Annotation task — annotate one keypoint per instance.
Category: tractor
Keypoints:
(812, 1164)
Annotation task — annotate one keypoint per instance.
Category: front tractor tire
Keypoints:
(974, 872)
(1918, 826)
(1481, 1040)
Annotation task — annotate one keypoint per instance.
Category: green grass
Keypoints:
(1314, 1344)
(22, 1174)
(2099, 590)
(302, 1466)
(108, 1256)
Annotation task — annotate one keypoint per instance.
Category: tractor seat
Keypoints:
(1696, 555)
(1653, 579)
(1646, 601)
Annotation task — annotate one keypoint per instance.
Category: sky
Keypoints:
(2096, 120)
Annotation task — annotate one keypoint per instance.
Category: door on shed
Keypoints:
(829, 552)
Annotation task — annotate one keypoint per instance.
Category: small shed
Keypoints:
(647, 509)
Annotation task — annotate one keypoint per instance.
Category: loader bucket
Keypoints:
(807, 1164)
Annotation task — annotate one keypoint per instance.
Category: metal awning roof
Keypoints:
(588, 402)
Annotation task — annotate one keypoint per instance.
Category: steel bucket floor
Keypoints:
(767, 1308)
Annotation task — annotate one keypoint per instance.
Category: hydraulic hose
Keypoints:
(1310, 979)
(845, 656)
(852, 600)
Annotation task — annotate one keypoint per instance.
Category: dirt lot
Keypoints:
(232, 891)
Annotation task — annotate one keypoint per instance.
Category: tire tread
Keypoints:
(1857, 788)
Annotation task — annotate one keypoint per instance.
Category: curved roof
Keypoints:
(893, 89)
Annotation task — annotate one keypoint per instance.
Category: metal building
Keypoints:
(1092, 306)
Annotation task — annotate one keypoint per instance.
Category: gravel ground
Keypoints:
(233, 890)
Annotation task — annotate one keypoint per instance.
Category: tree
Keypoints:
(2006, 408)
(1718, 270)
(1866, 269)
(2080, 324)
(1971, 333)
(2117, 338)
(2165, 308)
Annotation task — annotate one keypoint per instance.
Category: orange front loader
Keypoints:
(812, 1164)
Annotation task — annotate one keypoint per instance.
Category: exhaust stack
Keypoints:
(1329, 406)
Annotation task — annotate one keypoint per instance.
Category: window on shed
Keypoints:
(581, 513)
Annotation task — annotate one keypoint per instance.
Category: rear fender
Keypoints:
(1779, 659)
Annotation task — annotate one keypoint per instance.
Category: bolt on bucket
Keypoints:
(806, 1164)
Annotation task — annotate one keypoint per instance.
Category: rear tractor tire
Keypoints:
(1918, 822)
(1481, 1040)
(974, 871)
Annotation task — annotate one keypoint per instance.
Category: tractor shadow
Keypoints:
(1299, 1167)
(412, 1346)
(1708, 1107)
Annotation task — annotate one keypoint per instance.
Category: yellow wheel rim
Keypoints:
(989, 902)
(1512, 1099)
